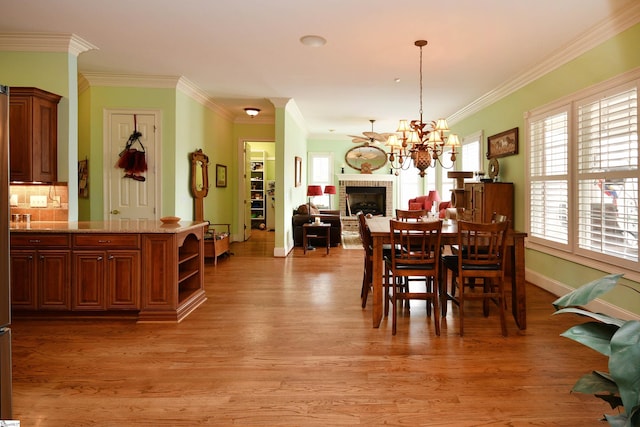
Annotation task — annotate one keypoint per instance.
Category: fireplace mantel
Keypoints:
(365, 177)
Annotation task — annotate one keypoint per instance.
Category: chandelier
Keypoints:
(419, 142)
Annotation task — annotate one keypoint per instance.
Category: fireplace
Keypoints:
(369, 193)
(368, 200)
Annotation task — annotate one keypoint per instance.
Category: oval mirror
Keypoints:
(366, 158)
(199, 174)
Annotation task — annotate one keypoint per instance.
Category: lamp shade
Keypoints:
(433, 196)
(453, 140)
(314, 190)
(329, 189)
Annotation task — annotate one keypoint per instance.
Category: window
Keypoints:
(471, 152)
(320, 173)
(583, 173)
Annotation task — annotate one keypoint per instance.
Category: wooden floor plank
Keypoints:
(284, 342)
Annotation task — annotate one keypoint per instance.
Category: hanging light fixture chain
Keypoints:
(421, 144)
(420, 45)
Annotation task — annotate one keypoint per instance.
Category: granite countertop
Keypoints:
(115, 226)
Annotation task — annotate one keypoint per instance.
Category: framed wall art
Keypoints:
(503, 144)
(221, 176)
(298, 172)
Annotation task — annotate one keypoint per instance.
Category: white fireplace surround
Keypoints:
(366, 180)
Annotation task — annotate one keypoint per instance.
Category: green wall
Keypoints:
(615, 56)
(56, 73)
(95, 100)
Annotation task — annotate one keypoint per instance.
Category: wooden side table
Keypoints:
(312, 229)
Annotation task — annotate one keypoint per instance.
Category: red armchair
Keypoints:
(423, 202)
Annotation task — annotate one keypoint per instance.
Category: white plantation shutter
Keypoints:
(608, 174)
(549, 185)
(583, 174)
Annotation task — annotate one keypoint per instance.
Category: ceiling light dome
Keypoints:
(252, 111)
(313, 41)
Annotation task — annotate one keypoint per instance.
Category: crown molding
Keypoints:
(290, 106)
(593, 37)
(190, 89)
(180, 83)
(44, 42)
(261, 119)
(131, 80)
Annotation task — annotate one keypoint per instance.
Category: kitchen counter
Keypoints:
(115, 226)
(138, 269)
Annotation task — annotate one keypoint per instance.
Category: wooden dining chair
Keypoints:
(415, 252)
(406, 215)
(365, 237)
(483, 258)
(367, 245)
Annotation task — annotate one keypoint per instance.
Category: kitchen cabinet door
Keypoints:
(123, 280)
(33, 134)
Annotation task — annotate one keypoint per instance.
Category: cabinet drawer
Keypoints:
(39, 240)
(106, 240)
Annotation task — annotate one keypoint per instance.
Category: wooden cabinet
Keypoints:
(177, 288)
(483, 199)
(107, 279)
(154, 275)
(33, 134)
(40, 277)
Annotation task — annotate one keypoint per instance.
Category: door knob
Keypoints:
(115, 212)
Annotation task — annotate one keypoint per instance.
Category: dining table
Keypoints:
(380, 234)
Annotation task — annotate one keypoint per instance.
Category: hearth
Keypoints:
(368, 200)
(369, 193)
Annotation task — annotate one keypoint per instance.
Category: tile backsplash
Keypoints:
(43, 202)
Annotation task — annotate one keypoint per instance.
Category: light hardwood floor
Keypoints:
(284, 342)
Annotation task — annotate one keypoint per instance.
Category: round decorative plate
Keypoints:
(494, 168)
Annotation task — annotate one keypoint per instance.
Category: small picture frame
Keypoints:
(503, 144)
(221, 176)
(298, 171)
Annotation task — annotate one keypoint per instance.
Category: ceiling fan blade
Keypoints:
(359, 139)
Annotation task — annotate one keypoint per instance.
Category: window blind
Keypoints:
(607, 134)
(549, 189)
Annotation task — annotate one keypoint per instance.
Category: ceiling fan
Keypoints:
(370, 137)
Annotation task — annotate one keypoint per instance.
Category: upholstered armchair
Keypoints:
(301, 216)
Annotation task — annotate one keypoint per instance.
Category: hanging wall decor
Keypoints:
(503, 144)
(132, 160)
(83, 178)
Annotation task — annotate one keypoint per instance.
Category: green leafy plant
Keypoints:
(616, 338)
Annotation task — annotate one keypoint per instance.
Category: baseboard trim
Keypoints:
(558, 289)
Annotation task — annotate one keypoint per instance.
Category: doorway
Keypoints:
(131, 196)
(258, 215)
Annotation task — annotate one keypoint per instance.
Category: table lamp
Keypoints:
(329, 189)
(313, 190)
(434, 198)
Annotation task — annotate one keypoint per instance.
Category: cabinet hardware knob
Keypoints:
(115, 212)
(99, 258)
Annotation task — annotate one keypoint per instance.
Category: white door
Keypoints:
(247, 191)
(127, 196)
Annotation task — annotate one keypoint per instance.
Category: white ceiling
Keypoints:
(245, 52)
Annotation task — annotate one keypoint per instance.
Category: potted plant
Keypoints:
(616, 338)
